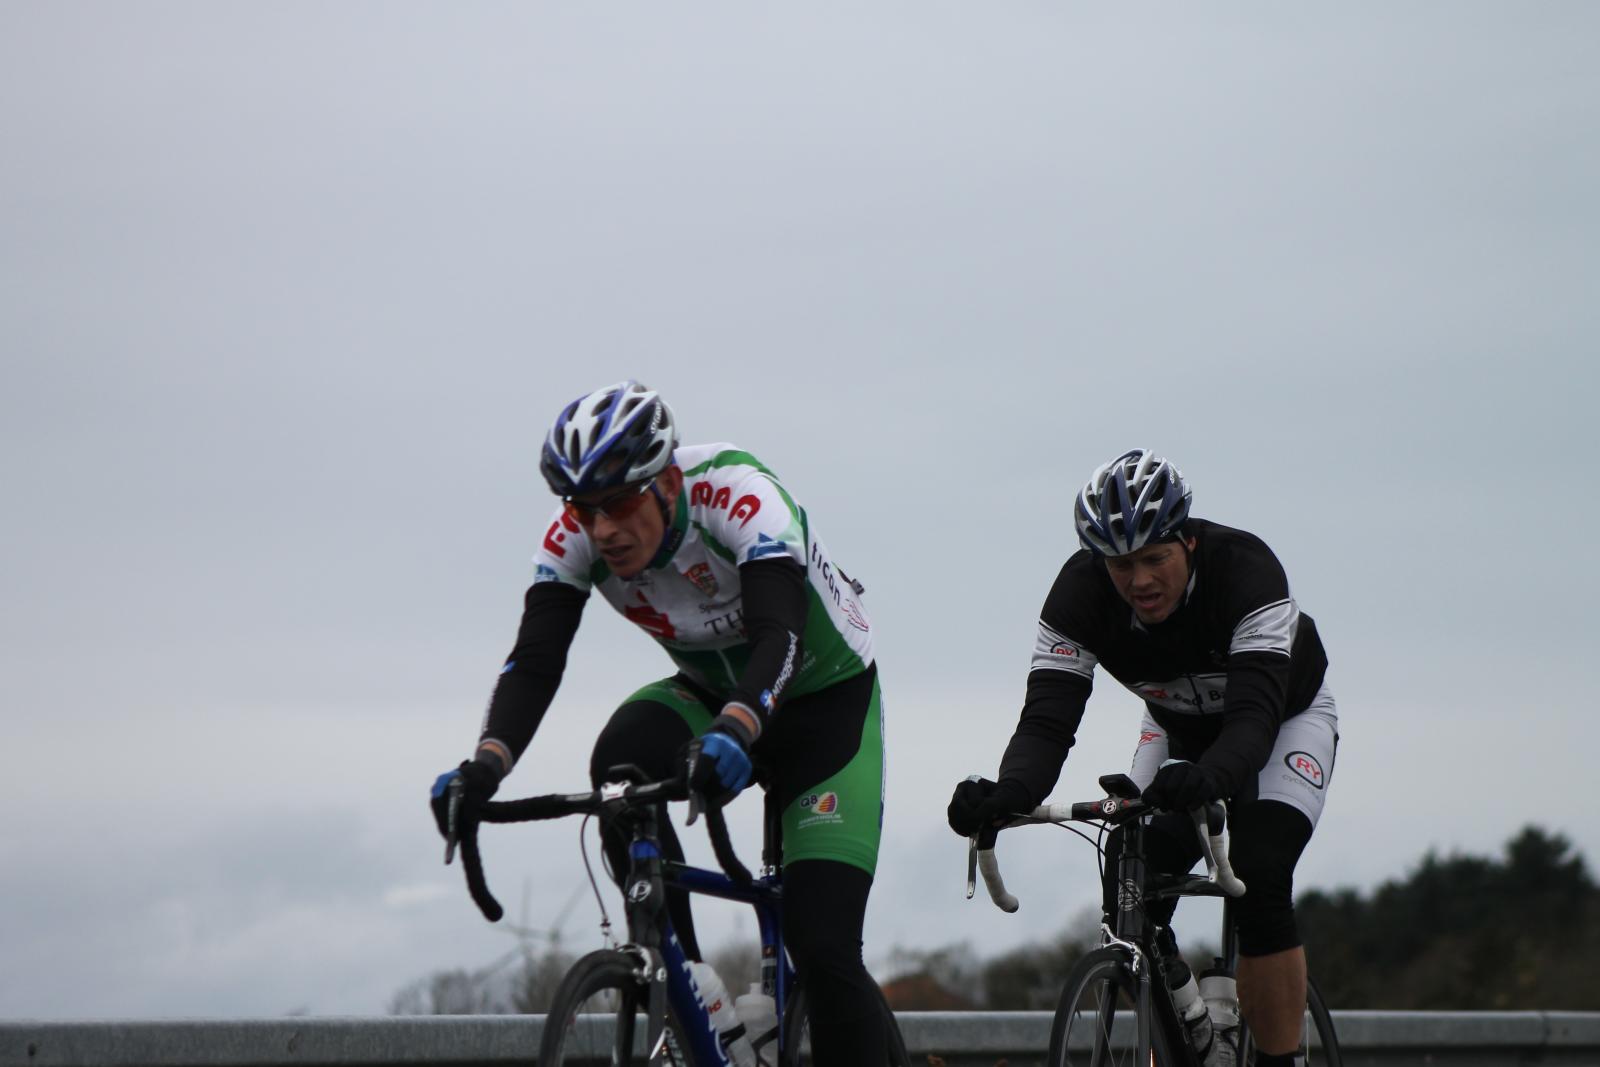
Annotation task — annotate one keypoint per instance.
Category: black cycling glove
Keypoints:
(718, 761)
(976, 805)
(480, 779)
(1179, 786)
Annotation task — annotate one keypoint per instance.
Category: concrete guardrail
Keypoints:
(958, 1039)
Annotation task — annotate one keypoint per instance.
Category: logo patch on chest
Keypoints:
(701, 577)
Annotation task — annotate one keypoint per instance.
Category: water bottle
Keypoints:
(759, 1014)
(730, 1032)
(1221, 995)
(1191, 1008)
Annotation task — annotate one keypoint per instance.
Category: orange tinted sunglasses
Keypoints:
(617, 507)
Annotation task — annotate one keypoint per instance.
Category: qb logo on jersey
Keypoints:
(819, 808)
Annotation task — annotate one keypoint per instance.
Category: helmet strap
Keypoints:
(1188, 558)
(671, 534)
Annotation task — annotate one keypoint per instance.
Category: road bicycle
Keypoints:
(639, 1002)
(1116, 1006)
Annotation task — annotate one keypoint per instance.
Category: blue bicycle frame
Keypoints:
(662, 964)
(649, 924)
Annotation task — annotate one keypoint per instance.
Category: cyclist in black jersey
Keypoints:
(1197, 619)
(702, 548)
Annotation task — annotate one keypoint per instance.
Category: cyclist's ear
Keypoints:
(670, 483)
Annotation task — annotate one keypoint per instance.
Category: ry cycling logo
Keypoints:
(1306, 766)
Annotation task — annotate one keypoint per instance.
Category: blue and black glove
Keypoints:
(977, 804)
(479, 778)
(1179, 786)
(719, 760)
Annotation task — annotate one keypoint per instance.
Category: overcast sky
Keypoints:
(289, 294)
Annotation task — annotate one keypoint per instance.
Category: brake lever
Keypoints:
(972, 865)
(457, 789)
(697, 803)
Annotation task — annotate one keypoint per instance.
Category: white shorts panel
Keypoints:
(1298, 771)
(1301, 765)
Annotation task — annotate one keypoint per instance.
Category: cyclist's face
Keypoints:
(628, 531)
(1152, 578)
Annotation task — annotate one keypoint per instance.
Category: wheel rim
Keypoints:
(608, 1026)
(1099, 1032)
(1317, 1047)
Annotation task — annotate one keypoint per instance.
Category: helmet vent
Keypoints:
(620, 435)
(1136, 499)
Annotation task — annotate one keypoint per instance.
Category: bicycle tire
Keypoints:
(606, 1030)
(1326, 1052)
(1098, 991)
(797, 1022)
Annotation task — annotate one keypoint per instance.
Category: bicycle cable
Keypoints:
(588, 869)
(1080, 833)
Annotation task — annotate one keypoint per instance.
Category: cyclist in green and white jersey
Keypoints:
(704, 549)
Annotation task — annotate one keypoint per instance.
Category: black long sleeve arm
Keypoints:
(1253, 709)
(774, 598)
(528, 682)
(1046, 731)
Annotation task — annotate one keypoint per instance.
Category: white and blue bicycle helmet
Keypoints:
(1135, 500)
(612, 437)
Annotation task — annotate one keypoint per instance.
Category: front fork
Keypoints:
(1128, 926)
(649, 926)
(645, 894)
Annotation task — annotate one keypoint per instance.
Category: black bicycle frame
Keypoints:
(1133, 926)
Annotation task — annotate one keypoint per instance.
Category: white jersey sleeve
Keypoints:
(748, 513)
(566, 554)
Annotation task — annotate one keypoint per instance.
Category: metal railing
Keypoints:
(959, 1039)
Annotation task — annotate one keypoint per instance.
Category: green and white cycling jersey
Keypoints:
(732, 510)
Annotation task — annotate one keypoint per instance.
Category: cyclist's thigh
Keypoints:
(825, 750)
(649, 728)
(1300, 768)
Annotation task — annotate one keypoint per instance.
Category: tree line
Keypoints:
(1520, 931)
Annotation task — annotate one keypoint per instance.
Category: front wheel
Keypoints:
(1097, 1018)
(797, 1032)
(1323, 1051)
(599, 1015)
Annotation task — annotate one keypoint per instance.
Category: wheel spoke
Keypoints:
(596, 1016)
(1095, 1024)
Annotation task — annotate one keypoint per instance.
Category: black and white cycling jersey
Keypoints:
(1219, 675)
